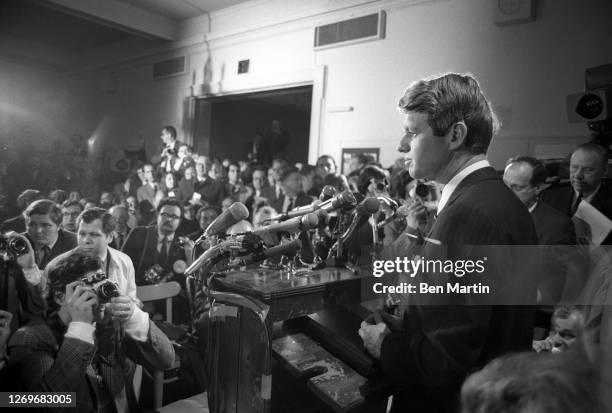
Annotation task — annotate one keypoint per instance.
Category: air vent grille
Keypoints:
(358, 29)
(170, 67)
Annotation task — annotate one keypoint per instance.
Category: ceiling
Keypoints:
(182, 9)
(52, 33)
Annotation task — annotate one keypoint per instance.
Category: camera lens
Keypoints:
(107, 291)
(421, 190)
(589, 106)
(18, 245)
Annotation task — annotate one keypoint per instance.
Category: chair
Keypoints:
(163, 291)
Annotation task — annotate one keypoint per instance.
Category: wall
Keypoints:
(525, 69)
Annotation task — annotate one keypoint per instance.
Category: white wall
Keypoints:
(525, 69)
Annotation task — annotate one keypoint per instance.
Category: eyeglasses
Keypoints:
(171, 217)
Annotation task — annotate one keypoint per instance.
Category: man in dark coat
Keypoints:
(562, 265)
(588, 166)
(441, 337)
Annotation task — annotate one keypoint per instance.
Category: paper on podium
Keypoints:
(595, 225)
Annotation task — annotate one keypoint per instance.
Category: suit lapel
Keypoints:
(479, 175)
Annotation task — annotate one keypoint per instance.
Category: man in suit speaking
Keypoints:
(426, 355)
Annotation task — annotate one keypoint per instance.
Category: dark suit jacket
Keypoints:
(141, 247)
(561, 197)
(301, 199)
(212, 191)
(269, 192)
(563, 263)
(66, 241)
(444, 337)
(42, 359)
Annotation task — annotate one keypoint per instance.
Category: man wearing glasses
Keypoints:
(157, 253)
(70, 212)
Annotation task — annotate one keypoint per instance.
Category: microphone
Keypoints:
(401, 212)
(366, 208)
(337, 202)
(234, 214)
(327, 192)
(289, 248)
(293, 225)
(237, 245)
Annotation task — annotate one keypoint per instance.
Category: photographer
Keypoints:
(82, 346)
(95, 228)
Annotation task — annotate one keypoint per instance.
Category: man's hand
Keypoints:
(542, 345)
(25, 261)
(5, 330)
(372, 336)
(121, 308)
(417, 214)
(80, 302)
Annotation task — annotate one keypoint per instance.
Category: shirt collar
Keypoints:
(533, 207)
(450, 187)
(161, 236)
(590, 197)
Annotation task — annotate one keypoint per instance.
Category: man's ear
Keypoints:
(458, 133)
(539, 188)
(59, 298)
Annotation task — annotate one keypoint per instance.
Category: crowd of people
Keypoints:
(141, 230)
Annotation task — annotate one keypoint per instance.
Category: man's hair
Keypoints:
(451, 98)
(288, 172)
(308, 170)
(91, 214)
(171, 130)
(539, 174)
(207, 208)
(68, 269)
(601, 151)
(45, 207)
(27, 197)
(534, 382)
(169, 201)
(69, 203)
(337, 181)
(59, 196)
(369, 172)
(564, 311)
(322, 157)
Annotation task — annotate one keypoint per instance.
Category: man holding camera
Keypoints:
(95, 228)
(89, 342)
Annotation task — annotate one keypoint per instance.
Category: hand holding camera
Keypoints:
(80, 301)
(121, 308)
(16, 247)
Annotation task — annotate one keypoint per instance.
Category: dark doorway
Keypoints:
(227, 126)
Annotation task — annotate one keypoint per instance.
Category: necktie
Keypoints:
(43, 257)
(291, 204)
(163, 253)
(119, 241)
(279, 192)
(576, 203)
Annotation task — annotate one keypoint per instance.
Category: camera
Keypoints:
(13, 246)
(104, 288)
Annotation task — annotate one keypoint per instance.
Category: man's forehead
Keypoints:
(40, 217)
(170, 209)
(415, 119)
(586, 156)
(93, 226)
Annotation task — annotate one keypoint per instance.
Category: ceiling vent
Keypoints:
(358, 29)
(169, 68)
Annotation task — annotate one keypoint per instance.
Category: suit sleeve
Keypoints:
(35, 367)
(157, 351)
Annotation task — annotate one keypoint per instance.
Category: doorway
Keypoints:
(227, 126)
